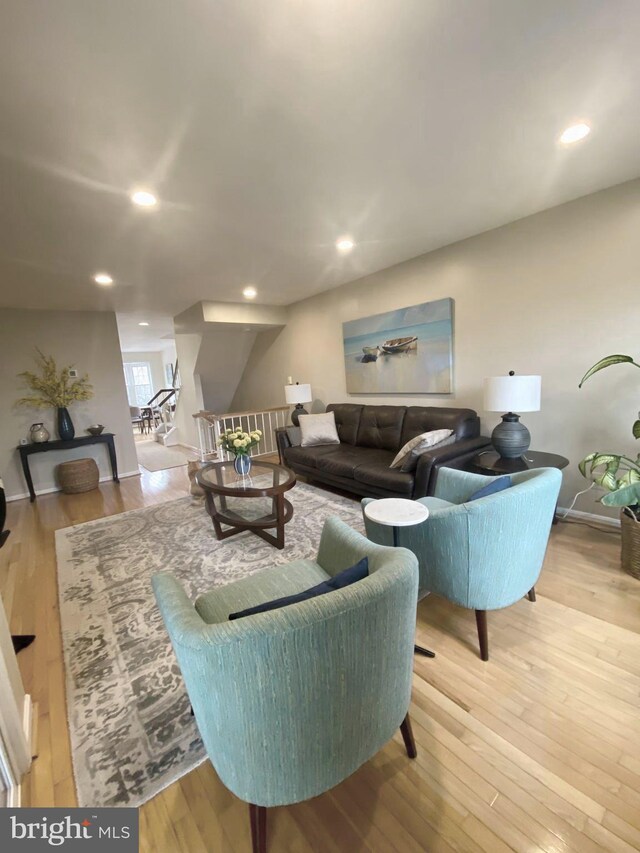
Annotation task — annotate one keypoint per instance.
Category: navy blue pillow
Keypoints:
(342, 579)
(497, 485)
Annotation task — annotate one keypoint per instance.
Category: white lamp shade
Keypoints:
(297, 394)
(512, 394)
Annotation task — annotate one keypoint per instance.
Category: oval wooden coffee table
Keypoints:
(255, 502)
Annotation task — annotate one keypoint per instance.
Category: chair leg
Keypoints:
(258, 817)
(407, 737)
(531, 595)
(483, 634)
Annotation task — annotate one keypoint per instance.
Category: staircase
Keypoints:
(165, 403)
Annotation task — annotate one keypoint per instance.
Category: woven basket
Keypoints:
(630, 545)
(78, 475)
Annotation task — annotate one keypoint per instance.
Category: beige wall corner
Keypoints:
(87, 339)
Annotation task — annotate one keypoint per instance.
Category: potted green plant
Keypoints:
(619, 475)
(55, 389)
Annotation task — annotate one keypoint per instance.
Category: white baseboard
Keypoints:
(592, 517)
(106, 479)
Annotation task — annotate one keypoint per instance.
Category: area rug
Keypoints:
(131, 730)
(156, 457)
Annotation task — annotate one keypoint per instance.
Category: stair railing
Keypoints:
(211, 426)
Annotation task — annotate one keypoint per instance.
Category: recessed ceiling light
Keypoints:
(143, 198)
(575, 133)
(103, 278)
(250, 292)
(143, 324)
(344, 244)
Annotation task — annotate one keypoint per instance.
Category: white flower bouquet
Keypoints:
(238, 442)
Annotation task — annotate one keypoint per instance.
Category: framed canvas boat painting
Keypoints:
(407, 351)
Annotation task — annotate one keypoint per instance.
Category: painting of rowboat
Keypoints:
(407, 351)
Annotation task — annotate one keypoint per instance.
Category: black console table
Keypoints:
(27, 449)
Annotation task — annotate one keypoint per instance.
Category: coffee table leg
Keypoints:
(280, 521)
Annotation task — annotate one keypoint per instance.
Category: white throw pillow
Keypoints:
(318, 429)
(425, 439)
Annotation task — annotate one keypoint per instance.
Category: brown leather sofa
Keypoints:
(370, 437)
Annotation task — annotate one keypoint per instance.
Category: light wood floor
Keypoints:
(538, 749)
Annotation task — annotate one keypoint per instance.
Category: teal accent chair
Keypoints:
(485, 554)
(292, 701)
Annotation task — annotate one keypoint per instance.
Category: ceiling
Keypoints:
(269, 128)
(157, 336)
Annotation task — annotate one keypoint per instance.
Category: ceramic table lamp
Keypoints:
(509, 394)
(297, 394)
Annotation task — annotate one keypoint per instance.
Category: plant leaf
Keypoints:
(609, 459)
(607, 480)
(629, 477)
(636, 429)
(582, 466)
(626, 496)
(607, 362)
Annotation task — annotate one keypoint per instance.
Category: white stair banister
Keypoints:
(212, 425)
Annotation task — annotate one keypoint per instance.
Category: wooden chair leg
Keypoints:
(531, 595)
(258, 818)
(407, 737)
(483, 634)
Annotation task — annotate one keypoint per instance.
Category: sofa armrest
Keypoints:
(283, 441)
(428, 463)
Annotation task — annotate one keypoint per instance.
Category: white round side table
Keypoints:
(395, 513)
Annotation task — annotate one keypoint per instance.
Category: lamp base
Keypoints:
(295, 414)
(511, 438)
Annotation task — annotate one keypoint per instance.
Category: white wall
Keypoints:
(87, 339)
(168, 356)
(549, 294)
(190, 400)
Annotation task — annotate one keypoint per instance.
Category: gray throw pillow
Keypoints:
(425, 439)
(318, 429)
(411, 462)
(295, 436)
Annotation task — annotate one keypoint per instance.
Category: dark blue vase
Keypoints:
(242, 464)
(65, 424)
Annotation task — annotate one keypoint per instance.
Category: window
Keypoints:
(137, 375)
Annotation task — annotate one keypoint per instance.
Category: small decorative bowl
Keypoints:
(95, 429)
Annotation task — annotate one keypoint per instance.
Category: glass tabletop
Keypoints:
(263, 478)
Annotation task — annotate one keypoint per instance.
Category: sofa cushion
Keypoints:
(381, 427)
(346, 459)
(346, 577)
(384, 477)
(347, 420)
(463, 422)
(308, 456)
(216, 605)
(318, 429)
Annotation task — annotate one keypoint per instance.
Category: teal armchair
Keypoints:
(485, 554)
(292, 701)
